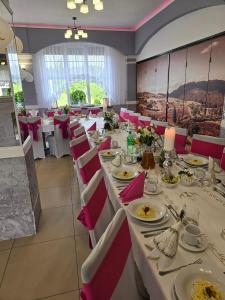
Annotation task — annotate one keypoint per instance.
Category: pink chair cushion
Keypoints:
(109, 272)
(90, 168)
(206, 148)
(222, 162)
(144, 123)
(80, 149)
(125, 115)
(134, 120)
(180, 143)
(160, 130)
(122, 114)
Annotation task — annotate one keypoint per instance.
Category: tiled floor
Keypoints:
(47, 266)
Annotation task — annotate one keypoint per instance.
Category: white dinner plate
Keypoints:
(160, 210)
(120, 174)
(195, 160)
(108, 154)
(200, 248)
(184, 281)
(159, 223)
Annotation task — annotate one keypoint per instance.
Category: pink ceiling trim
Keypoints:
(151, 14)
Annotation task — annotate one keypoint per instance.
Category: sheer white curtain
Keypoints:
(57, 67)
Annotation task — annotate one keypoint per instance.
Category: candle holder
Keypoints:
(168, 163)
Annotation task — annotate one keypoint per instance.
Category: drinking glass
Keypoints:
(191, 215)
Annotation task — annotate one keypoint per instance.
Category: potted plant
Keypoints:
(78, 96)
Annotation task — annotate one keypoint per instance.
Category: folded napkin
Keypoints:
(93, 127)
(106, 144)
(164, 246)
(134, 190)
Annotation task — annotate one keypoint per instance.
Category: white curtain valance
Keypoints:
(57, 67)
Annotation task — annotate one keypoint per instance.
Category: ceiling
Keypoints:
(124, 14)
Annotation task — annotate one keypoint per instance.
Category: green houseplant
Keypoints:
(78, 96)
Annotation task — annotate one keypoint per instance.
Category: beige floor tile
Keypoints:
(39, 271)
(75, 194)
(54, 179)
(55, 197)
(67, 296)
(54, 223)
(78, 227)
(3, 261)
(5, 245)
(51, 163)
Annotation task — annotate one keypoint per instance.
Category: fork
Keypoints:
(198, 261)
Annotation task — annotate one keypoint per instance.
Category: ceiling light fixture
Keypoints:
(76, 31)
(84, 8)
(71, 4)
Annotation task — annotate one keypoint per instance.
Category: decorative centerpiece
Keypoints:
(66, 109)
(169, 139)
(149, 141)
(111, 121)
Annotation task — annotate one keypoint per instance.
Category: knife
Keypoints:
(152, 230)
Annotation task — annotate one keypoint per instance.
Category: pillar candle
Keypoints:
(169, 139)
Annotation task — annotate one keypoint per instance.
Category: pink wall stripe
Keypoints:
(148, 17)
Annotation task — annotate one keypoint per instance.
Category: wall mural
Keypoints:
(186, 87)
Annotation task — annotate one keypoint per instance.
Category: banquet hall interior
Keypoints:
(112, 149)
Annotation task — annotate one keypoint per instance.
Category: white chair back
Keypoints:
(35, 131)
(79, 132)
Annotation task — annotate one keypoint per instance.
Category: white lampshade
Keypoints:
(85, 35)
(78, 1)
(96, 1)
(67, 36)
(6, 35)
(84, 8)
(76, 36)
(80, 31)
(71, 4)
(19, 45)
(99, 6)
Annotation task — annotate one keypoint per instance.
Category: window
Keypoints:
(79, 72)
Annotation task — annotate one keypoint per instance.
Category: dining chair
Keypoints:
(79, 146)
(94, 110)
(108, 273)
(222, 161)
(35, 131)
(180, 140)
(96, 212)
(123, 112)
(59, 142)
(160, 126)
(50, 113)
(134, 118)
(208, 145)
(79, 132)
(145, 121)
(88, 164)
(24, 131)
(72, 126)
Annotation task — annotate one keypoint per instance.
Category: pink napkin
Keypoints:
(106, 144)
(121, 119)
(93, 127)
(134, 190)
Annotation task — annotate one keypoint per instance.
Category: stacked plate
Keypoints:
(108, 154)
(151, 213)
(124, 174)
(195, 161)
(197, 281)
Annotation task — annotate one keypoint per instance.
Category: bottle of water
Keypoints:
(130, 143)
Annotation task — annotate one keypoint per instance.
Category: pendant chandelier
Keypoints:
(75, 31)
(84, 8)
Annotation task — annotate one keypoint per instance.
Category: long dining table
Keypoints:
(210, 203)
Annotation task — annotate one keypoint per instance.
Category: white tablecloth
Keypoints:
(212, 220)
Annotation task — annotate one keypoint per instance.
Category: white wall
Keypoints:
(187, 29)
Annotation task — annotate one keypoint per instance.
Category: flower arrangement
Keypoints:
(147, 136)
(66, 109)
(111, 121)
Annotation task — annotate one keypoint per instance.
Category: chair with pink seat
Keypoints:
(79, 131)
(134, 118)
(180, 140)
(96, 211)
(79, 146)
(208, 145)
(59, 142)
(72, 126)
(145, 121)
(222, 161)
(109, 271)
(160, 126)
(94, 110)
(50, 113)
(123, 111)
(88, 164)
(35, 131)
